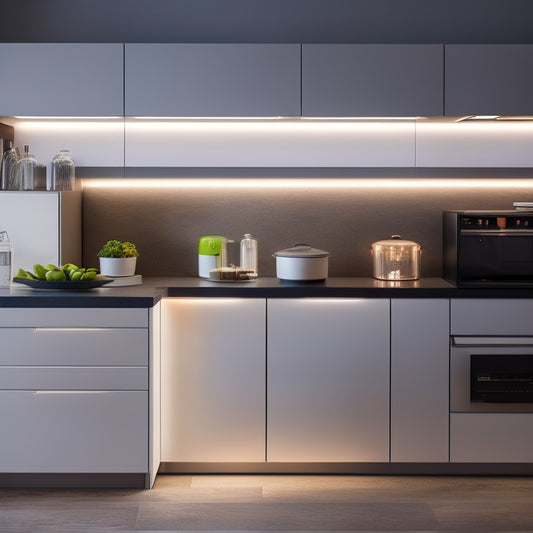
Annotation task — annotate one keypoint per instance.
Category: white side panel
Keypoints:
(86, 432)
(328, 380)
(474, 144)
(491, 437)
(304, 143)
(213, 380)
(419, 380)
(155, 394)
(32, 222)
(91, 143)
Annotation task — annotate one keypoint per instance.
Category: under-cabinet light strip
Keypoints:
(316, 183)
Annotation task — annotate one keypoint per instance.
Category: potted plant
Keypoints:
(118, 258)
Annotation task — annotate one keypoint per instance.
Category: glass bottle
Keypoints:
(63, 172)
(25, 167)
(249, 253)
(10, 181)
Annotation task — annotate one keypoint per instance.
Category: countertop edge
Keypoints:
(154, 289)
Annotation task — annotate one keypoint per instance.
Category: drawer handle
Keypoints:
(71, 392)
(492, 341)
(40, 330)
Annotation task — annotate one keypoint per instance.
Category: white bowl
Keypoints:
(116, 267)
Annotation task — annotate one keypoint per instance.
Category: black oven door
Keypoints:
(491, 374)
(501, 378)
(495, 257)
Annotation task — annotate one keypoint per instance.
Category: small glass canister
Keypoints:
(396, 259)
(63, 172)
(6, 263)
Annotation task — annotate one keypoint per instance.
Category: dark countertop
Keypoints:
(153, 289)
(145, 295)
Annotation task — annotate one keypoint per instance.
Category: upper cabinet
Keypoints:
(212, 80)
(372, 80)
(493, 79)
(50, 79)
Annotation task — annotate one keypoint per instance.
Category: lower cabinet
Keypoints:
(213, 380)
(328, 380)
(73, 431)
(74, 391)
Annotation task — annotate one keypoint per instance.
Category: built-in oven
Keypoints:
(488, 248)
(491, 374)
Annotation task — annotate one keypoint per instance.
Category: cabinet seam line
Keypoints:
(266, 379)
(390, 380)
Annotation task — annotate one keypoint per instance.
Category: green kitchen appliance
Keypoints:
(211, 253)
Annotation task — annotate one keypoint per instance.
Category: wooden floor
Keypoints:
(279, 503)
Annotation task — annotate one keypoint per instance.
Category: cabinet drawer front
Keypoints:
(89, 432)
(64, 346)
(488, 317)
(22, 317)
(73, 378)
(491, 437)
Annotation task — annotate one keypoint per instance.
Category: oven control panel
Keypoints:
(497, 222)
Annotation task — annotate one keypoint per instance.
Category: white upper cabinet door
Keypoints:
(372, 80)
(51, 79)
(212, 80)
(492, 79)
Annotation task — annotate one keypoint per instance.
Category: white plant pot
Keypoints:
(116, 267)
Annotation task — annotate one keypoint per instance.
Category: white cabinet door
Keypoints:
(43, 227)
(61, 79)
(74, 431)
(328, 380)
(212, 80)
(419, 380)
(212, 380)
(488, 79)
(372, 80)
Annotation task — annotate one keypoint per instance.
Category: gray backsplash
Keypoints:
(166, 222)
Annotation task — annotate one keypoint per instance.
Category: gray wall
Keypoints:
(165, 223)
(310, 21)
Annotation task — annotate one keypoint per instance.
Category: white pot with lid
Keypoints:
(302, 263)
(396, 259)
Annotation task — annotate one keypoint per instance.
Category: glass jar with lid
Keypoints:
(396, 259)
